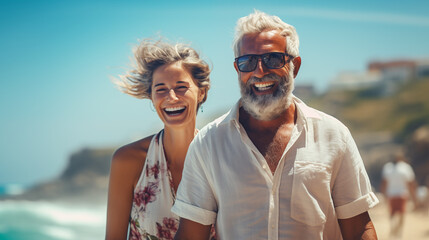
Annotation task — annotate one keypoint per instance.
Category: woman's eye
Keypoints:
(161, 90)
(182, 88)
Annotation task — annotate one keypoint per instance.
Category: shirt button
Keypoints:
(272, 226)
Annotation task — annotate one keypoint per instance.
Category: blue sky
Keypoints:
(57, 58)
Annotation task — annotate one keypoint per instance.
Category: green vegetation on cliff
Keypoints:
(365, 111)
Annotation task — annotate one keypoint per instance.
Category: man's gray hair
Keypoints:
(150, 55)
(259, 22)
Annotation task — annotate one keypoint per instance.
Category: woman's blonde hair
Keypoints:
(150, 55)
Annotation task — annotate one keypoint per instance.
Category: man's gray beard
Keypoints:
(270, 106)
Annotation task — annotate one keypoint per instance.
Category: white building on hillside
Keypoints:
(382, 77)
(355, 80)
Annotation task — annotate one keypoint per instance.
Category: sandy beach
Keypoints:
(416, 226)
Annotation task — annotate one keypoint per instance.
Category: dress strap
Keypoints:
(159, 137)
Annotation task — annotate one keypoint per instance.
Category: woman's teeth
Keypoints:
(174, 110)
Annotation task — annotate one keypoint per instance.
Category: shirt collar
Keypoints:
(306, 111)
(233, 115)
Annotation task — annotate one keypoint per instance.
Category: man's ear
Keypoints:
(297, 64)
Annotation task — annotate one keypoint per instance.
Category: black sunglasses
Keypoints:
(271, 60)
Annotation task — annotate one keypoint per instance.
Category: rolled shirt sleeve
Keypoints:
(352, 193)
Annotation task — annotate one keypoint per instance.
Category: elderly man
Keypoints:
(272, 167)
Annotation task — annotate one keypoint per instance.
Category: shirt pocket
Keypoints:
(310, 197)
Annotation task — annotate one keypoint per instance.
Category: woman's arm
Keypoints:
(127, 164)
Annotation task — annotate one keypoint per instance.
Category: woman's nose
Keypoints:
(172, 95)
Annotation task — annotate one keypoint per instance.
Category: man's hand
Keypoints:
(359, 227)
(190, 230)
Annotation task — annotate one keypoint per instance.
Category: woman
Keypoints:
(145, 174)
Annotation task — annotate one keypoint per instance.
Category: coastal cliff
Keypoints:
(85, 179)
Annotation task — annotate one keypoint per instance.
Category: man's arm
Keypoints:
(359, 227)
(190, 230)
(383, 187)
(412, 187)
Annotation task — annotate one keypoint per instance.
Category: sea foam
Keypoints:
(51, 219)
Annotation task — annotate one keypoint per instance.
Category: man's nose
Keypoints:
(260, 70)
(172, 95)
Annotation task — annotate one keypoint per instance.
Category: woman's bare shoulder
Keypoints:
(132, 154)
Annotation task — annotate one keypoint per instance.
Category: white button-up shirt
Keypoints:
(320, 178)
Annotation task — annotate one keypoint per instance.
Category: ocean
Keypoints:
(44, 220)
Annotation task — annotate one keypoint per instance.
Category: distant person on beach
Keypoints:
(145, 174)
(398, 185)
(273, 167)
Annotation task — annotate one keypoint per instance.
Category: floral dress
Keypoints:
(151, 216)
